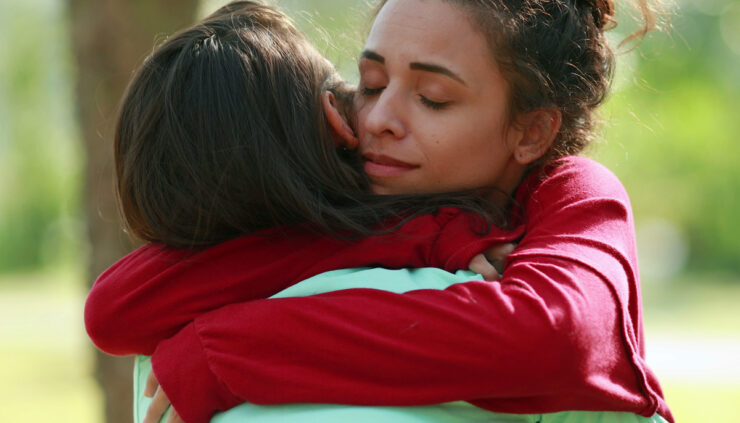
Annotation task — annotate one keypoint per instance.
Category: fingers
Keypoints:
(160, 403)
(500, 251)
(151, 385)
(491, 263)
(158, 407)
(497, 255)
(174, 417)
(480, 264)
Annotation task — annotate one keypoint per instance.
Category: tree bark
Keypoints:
(111, 38)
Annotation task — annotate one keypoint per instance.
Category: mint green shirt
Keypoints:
(454, 412)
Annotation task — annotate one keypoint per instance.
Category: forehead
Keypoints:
(433, 28)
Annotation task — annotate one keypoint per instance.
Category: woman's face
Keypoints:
(432, 110)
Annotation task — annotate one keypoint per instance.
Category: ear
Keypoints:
(341, 132)
(538, 130)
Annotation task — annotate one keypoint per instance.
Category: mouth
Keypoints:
(378, 165)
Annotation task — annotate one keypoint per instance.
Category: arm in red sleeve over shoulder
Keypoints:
(152, 293)
(560, 331)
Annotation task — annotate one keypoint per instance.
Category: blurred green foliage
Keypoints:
(671, 129)
(40, 154)
(669, 133)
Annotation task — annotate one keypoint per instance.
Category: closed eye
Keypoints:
(370, 91)
(434, 105)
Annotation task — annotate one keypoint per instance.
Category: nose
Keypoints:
(385, 115)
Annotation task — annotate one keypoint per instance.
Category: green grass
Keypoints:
(696, 307)
(693, 304)
(47, 359)
(42, 384)
(702, 402)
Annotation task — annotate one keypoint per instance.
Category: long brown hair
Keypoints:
(221, 133)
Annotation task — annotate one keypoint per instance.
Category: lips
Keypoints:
(379, 165)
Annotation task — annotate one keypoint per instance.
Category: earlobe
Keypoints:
(341, 132)
(540, 129)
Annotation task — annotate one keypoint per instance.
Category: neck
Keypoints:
(506, 185)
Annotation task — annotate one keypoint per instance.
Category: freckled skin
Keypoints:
(464, 143)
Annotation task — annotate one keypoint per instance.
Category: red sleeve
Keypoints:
(152, 293)
(560, 331)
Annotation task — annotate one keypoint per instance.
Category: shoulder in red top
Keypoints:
(561, 331)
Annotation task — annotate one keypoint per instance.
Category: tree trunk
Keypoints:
(111, 38)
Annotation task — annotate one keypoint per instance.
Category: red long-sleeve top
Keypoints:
(562, 330)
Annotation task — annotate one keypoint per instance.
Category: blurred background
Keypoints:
(671, 132)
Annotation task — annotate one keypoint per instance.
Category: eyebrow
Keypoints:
(426, 67)
(371, 55)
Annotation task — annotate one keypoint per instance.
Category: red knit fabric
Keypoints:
(561, 331)
(153, 292)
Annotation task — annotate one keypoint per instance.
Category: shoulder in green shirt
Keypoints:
(402, 280)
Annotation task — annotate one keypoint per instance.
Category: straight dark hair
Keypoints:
(221, 133)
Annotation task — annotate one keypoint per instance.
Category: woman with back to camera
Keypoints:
(562, 330)
(221, 132)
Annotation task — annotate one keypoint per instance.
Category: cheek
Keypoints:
(486, 135)
(362, 110)
(472, 152)
(468, 141)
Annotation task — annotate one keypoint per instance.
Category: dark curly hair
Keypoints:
(554, 53)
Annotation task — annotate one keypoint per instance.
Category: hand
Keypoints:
(160, 403)
(490, 264)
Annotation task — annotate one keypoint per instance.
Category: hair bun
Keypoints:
(601, 10)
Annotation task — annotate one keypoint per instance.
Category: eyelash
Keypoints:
(425, 101)
(370, 91)
(433, 104)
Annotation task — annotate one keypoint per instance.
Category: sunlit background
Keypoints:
(672, 135)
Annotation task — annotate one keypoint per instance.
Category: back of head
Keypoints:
(221, 132)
